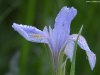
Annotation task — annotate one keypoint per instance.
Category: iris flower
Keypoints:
(58, 37)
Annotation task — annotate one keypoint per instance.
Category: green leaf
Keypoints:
(72, 70)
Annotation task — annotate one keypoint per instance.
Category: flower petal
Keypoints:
(83, 44)
(30, 33)
(45, 30)
(64, 17)
(69, 49)
(91, 58)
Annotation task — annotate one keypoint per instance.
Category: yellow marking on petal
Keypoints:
(37, 35)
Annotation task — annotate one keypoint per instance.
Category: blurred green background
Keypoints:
(18, 55)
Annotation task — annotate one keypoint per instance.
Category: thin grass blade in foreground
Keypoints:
(72, 70)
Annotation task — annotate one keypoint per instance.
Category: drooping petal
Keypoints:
(91, 58)
(83, 44)
(64, 17)
(69, 49)
(30, 33)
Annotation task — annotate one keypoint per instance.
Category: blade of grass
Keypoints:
(72, 70)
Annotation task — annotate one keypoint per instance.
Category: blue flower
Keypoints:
(58, 37)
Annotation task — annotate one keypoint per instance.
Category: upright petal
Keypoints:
(62, 24)
(64, 17)
(45, 30)
(83, 44)
(30, 33)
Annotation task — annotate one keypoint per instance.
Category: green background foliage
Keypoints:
(34, 59)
